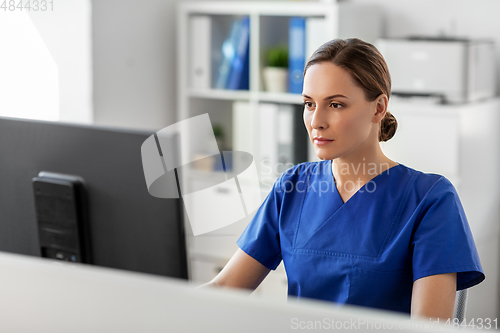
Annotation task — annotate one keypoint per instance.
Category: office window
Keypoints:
(46, 62)
(29, 75)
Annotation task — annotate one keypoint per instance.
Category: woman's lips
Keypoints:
(322, 141)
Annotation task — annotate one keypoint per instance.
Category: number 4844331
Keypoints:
(28, 5)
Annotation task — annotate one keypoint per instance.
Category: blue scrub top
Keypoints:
(400, 226)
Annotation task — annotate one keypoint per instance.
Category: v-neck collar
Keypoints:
(325, 209)
(339, 197)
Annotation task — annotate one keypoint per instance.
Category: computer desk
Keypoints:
(43, 295)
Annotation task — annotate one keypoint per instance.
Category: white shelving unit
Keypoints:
(257, 11)
(208, 253)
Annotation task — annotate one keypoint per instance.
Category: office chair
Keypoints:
(460, 305)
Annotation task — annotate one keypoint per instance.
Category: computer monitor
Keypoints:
(129, 229)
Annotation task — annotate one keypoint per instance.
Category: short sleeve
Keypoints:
(261, 239)
(442, 241)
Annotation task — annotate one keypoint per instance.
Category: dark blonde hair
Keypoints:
(368, 69)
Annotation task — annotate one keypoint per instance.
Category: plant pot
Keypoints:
(275, 79)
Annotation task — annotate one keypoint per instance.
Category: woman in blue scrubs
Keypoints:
(357, 227)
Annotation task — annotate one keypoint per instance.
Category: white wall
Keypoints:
(134, 63)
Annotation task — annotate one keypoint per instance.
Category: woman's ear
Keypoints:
(380, 108)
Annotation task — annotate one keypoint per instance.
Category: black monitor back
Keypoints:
(129, 228)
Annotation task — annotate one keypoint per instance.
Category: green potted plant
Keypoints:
(275, 72)
(219, 136)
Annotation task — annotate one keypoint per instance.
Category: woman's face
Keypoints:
(336, 109)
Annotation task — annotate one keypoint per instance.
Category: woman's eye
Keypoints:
(308, 105)
(335, 105)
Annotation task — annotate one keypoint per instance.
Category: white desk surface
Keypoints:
(41, 295)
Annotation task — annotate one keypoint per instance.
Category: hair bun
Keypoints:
(388, 127)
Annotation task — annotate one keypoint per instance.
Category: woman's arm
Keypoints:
(242, 271)
(434, 296)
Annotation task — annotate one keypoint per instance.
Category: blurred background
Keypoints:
(145, 65)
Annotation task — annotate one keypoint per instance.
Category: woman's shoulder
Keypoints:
(427, 183)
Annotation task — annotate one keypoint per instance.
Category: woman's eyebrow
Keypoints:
(328, 97)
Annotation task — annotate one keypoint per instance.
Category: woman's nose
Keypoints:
(318, 120)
